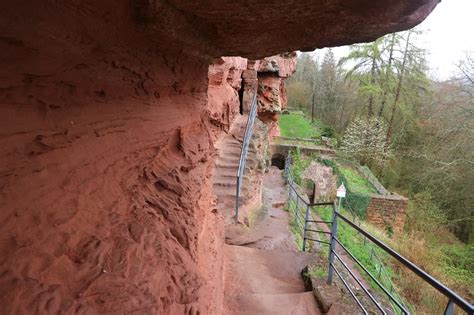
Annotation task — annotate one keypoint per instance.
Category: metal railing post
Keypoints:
(236, 218)
(449, 308)
(243, 152)
(296, 209)
(332, 245)
(305, 227)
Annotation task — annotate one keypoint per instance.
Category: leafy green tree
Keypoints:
(367, 63)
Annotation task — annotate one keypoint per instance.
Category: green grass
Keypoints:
(300, 163)
(302, 143)
(297, 126)
(318, 272)
(357, 183)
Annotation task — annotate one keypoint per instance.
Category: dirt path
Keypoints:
(263, 266)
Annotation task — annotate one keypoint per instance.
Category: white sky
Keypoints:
(448, 34)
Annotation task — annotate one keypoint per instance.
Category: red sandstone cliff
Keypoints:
(106, 142)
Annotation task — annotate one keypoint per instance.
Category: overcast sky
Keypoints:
(448, 34)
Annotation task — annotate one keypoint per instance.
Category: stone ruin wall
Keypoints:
(384, 211)
(387, 212)
(325, 181)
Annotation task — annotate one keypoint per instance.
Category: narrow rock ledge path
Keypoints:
(262, 266)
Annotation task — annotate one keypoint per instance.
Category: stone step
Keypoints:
(224, 174)
(226, 181)
(267, 271)
(250, 161)
(230, 185)
(226, 168)
(236, 151)
(227, 202)
(229, 158)
(229, 190)
(277, 304)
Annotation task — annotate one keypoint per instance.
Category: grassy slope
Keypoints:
(358, 184)
(297, 126)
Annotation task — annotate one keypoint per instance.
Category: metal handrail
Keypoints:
(304, 218)
(453, 297)
(383, 276)
(243, 152)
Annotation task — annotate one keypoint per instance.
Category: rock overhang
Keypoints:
(256, 29)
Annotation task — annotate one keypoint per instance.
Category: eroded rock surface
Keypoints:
(225, 82)
(107, 141)
(265, 28)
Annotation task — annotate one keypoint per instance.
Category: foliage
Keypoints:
(321, 91)
(436, 154)
(300, 95)
(356, 182)
(328, 132)
(459, 264)
(300, 86)
(423, 215)
(298, 165)
(318, 272)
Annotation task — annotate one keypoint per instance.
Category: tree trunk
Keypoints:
(312, 98)
(370, 111)
(397, 92)
(384, 96)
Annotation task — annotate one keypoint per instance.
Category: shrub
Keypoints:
(327, 132)
(298, 164)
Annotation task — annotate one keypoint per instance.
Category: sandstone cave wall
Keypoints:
(105, 169)
(225, 82)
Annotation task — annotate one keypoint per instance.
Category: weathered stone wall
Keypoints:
(324, 180)
(387, 212)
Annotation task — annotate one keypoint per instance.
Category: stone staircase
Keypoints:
(227, 163)
(262, 266)
(267, 282)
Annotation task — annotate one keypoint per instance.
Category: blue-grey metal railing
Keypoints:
(302, 223)
(382, 273)
(243, 152)
(453, 297)
(303, 219)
